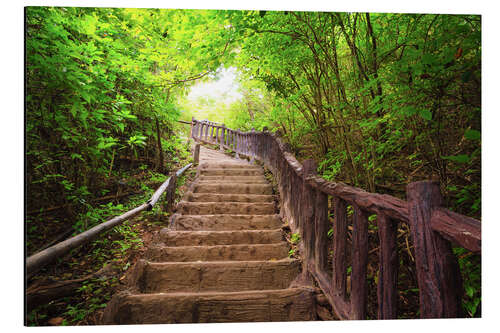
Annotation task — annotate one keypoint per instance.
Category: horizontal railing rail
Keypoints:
(305, 205)
(38, 260)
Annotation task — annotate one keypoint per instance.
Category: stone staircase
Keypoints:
(223, 259)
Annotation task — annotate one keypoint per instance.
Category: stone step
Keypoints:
(236, 179)
(228, 188)
(228, 165)
(226, 222)
(217, 276)
(193, 238)
(231, 172)
(211, 197)
(242, 208)
(231, 181)
(295, 304)
(242, 252)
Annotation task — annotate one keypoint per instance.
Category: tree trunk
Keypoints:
(159, 167)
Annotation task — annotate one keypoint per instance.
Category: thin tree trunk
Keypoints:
(160, 149)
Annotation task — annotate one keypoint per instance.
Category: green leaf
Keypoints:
(466, 76)
(426, 114)
(469, 291)
(77, 156)
(462, 158)
(409, 110)
(472, 134)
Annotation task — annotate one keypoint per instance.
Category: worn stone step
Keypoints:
(231, 172)
(228, 188)
(294, 304)
(232, 181)
(212, 197)
(188, 238)
(237, 179)
(243, 252)
(243, 208)
(228, 165)
(217, 276)
(226, 222)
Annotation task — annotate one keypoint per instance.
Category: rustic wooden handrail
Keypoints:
(40, 259)
(304, 205)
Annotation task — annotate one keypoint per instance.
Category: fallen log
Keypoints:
(48, 290)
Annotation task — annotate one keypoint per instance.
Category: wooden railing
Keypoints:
(38, 260)
(305, 205)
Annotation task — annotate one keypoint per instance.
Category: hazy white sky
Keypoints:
(226, 87)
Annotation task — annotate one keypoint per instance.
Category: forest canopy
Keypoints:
(379, 100)
(376, 98)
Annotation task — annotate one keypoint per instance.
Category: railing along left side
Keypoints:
(40, 259)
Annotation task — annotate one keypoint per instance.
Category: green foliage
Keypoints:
(470, 267)
(295, 238)
(331, 165)
(36, 316)
(472, 134)
(97, 79)
(462, 158)
(156, 177)
(376, 96)
(467, 197)
(94, 293)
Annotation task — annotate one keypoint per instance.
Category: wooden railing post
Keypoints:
(388, 268)
(307, 217)
(321, 231)
(251, 149)
(170, 195)
(244, 138)
(222, 137)
(339, 281)
(196, 154)
(237, 143)
(241, 144)
(438, 275)
(191, 127)
(194, 127)
(359, 262)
